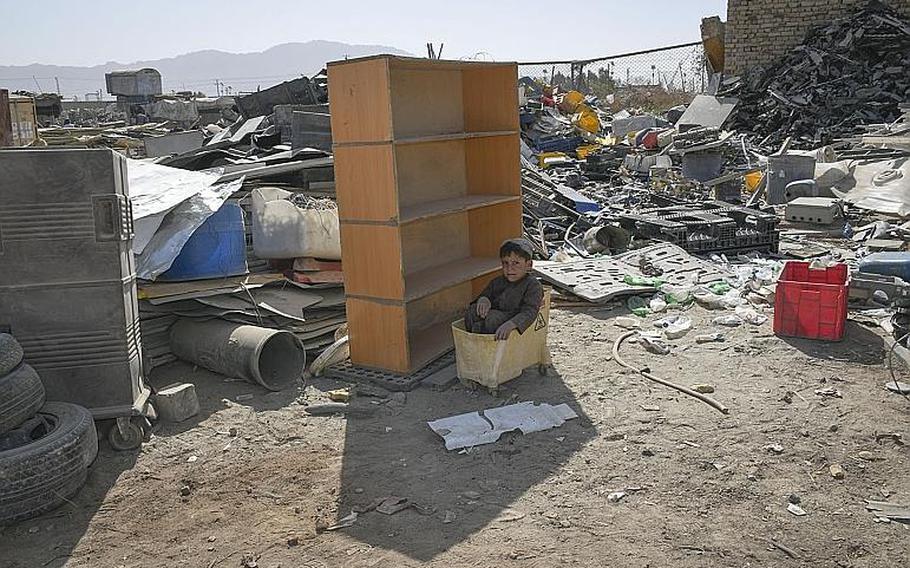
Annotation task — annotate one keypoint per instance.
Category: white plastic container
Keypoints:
(283, 230)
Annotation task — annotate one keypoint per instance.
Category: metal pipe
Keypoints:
(271, 357)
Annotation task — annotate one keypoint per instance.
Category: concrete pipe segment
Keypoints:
(270, 357)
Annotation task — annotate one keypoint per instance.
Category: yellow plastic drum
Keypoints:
(482, 359)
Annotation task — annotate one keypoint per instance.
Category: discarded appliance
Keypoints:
(816, 210)
(75, 311)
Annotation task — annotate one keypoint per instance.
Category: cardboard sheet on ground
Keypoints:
(155, 190)
(177, 227)
(486, 426)
(285, 301)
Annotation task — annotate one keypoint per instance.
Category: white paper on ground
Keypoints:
(177, 227)
(486, 426)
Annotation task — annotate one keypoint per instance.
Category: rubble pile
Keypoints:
(851, 73)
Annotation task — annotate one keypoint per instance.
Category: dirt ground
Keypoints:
(703, 489)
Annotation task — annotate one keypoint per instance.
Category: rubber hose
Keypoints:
(706, 399)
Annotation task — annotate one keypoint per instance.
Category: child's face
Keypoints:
(514, 267)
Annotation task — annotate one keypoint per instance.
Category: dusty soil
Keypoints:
(703, 489)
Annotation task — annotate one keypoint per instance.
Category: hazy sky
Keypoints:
(67, 32)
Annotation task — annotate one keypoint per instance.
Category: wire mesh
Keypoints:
(643, 78)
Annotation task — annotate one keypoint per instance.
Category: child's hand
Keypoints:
(504, 330)
(483, 307)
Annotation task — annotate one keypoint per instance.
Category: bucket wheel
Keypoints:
(128, 433)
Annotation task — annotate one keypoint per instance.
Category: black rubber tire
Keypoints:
(10, 353)
(21, 396)
(42, 475)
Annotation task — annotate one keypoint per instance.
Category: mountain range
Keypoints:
(196, 71)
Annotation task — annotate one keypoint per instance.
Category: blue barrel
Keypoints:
(887, 264)
(215, 250)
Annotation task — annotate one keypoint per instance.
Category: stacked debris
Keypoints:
(231, 224)
(852, 72)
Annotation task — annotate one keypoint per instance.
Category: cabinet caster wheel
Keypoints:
(125, 435)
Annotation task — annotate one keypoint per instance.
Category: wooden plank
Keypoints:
(365, 183)
(492, 165)
(371, 257)
(427, 102)
(430, 172)
(434, 242)
(360, 101)
(378, 335)
(490, 98)
(490, 226)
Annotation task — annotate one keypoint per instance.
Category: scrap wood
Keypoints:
(706, 399)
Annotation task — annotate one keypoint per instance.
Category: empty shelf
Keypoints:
(427, 281)
(429, 343)
(453, 205)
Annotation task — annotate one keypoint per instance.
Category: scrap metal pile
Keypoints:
(222, 225)
(849, 74)
(805, 160)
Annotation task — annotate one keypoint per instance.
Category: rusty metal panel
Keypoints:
(23, 120)
(6, 127)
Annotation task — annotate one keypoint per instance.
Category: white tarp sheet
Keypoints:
(155, 190)
(485, 427)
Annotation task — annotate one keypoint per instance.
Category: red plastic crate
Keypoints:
(811, 303)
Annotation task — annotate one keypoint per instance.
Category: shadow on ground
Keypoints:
(212, 390)
(859, 345)
(456, 494)
(49, 540)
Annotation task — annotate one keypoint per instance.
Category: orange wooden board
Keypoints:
(378, 335)
(492, 225)
(490, 98)
(360, 103)
(365, 183)
(492, 165)
(371, 256)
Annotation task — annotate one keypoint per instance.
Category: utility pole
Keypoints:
(57, 82)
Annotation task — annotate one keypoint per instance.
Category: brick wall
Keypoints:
(760, 31)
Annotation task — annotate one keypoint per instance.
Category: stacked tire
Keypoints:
(45, 447)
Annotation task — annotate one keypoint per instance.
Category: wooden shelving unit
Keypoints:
(428, 180)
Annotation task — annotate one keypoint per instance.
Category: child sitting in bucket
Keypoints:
(511, 301)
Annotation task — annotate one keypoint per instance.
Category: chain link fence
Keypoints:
(658, 77)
